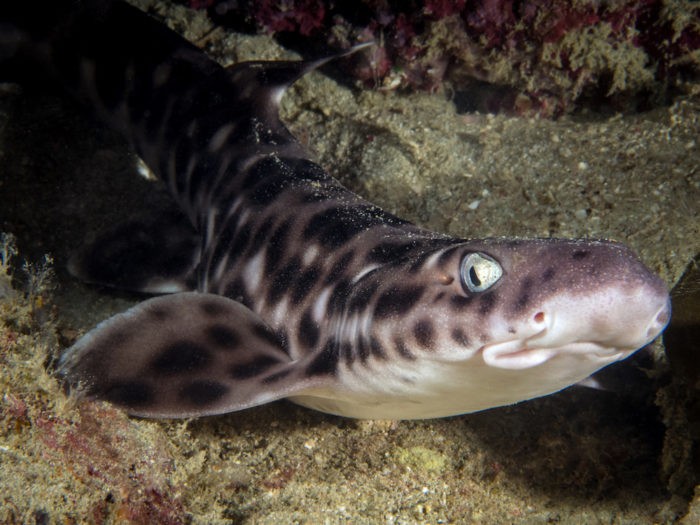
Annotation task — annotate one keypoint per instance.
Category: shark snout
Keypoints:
(660, 320)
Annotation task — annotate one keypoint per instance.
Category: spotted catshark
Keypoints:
(278, 282)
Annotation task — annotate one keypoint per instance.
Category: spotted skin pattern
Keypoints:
(302, 289)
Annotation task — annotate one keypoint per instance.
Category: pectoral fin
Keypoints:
(182, 355)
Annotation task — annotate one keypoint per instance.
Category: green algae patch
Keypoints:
(421, 459)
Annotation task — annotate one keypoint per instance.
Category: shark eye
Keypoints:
(479, 272)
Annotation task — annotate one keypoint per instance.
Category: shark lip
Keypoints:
(517, 355)
(514, 355)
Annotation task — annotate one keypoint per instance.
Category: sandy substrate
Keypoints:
(580, 456)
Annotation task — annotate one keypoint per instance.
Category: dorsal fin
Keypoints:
(262, 83)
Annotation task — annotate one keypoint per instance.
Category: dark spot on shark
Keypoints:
(548, 274)
(184, 149)
(397, 301)
(181, 357)
(377, 349)
(304, 284)
(283, 280)
(130, 394)
(262, 232)
(524, 297)
(345, 349)
(389, 251)
(222, 336)
(403, 350)
(283, 338)
(252, 368)
(199, 176)
(459, 337)
(307, 170)
(202, 392)
(339, 268)
(361, 296)
(264, 333)
(325, 363)
(424, 333)
(115, 338)
(363, 349)
(418, 262)
(487, 302)
(236, 290)
(325, 193)
(336, 225)
(161, 312)
(338, 296)
(230, 244)
(276, 247)
(270, 188)
(446, 255)
(263, 169)
(308, 331)
(212, 308)
(578, 255)
(460, 302)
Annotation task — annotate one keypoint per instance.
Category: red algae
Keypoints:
(73, 462)
(639, 49)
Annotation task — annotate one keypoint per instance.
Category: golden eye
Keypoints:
(479, 272)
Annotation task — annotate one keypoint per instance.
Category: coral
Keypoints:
(548, 55)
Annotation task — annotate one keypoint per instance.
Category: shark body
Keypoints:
(281, 283)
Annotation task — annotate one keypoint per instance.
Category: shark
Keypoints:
(273, 281)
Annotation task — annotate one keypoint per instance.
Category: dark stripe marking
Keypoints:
(396, 302)
(221, 335)
(459, 336)
(181, 357)
(388, 251)
(339, 268)
(283, 280)
(132, 394)
(202, 392)
(377, 349)
(276, 247)
(308, 331)
(460, 302)
(325, 363)
(267, 335)
(424, 333)
(487, 302)
(403, 350)
(305, 284)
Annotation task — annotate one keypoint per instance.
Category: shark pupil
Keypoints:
(474, 277)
